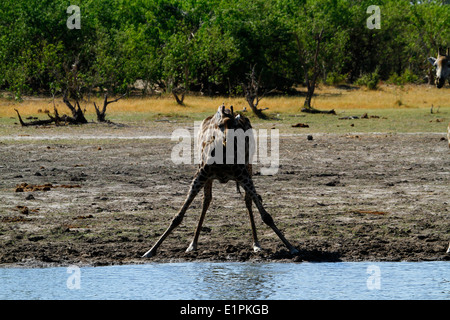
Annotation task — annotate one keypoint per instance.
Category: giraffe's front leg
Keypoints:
(206, 201)
(197, 184)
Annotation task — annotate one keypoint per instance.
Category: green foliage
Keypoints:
(335, 79)
(407, 77)
(370, 80)
(211, 45)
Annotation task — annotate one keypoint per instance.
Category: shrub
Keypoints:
(335, 79)
(370, 80)
(407, 77)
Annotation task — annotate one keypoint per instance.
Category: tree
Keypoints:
(319, 30)
(252, 91)
(311, 75)
(208, 45)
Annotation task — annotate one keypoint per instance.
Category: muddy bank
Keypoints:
(377, 197)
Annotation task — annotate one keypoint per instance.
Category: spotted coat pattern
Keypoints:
(212, 139)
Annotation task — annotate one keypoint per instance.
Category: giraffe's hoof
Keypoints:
(294, 251)
(192, 247)
(256, 248)
(150, 253)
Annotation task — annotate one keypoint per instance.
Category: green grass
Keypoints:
(388, 120)
(394, 120)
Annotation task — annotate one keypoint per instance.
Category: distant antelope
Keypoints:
(442, 64)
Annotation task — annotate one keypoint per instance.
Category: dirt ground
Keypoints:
(337, 197)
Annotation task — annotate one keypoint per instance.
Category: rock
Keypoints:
(300, 125)
(23, 209)
(29, 197)
(332, 183)
(35, 238)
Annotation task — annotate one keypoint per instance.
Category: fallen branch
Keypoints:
(300, 125)
(34, 123)
(312, 110)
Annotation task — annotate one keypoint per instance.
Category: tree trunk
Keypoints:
(256, 111)
(311, 83)
(77, 113)
(101, 114)
(252, 92)
(311, 87)
(178, 99)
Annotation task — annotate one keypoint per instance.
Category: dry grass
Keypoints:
(409, 96)
(387, 97)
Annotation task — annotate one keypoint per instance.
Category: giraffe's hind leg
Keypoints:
(249, 188)
(197, 183)
(248, 204)
(206, 201)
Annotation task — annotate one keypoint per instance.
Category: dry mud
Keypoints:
(337, 197)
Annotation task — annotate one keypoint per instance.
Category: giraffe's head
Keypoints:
(442, 64)
(221, 127)
(227, 120)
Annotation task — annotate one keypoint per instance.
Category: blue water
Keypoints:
(232, 281)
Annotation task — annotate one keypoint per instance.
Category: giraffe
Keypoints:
(448, 134)
(442, 64)
(213, 139)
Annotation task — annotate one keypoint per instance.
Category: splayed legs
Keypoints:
(206, 202)
(200, 181)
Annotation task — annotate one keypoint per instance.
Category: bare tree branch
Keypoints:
(77, 113)
(101, 115)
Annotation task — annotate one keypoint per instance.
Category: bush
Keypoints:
(335, 79)
(407, 77)
(370, 80)
(395, 79)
